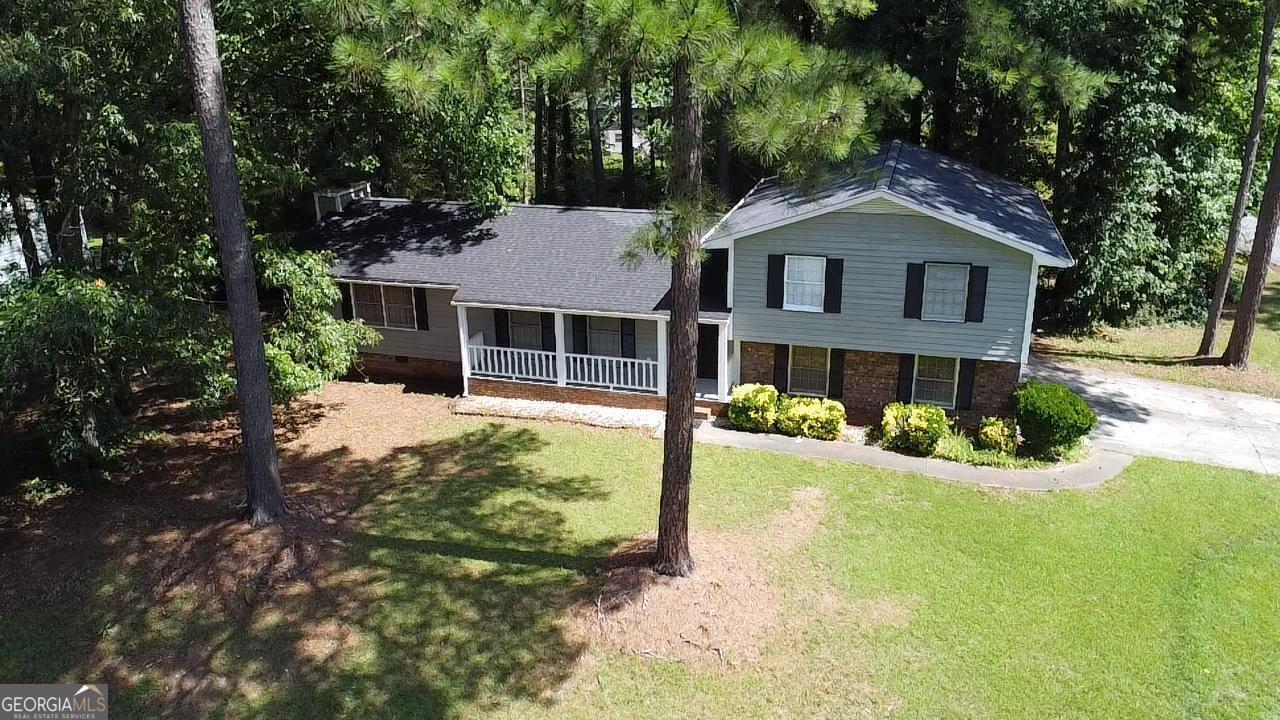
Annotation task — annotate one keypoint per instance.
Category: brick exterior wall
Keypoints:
(871, 382)
(409, 369)
(557, 393)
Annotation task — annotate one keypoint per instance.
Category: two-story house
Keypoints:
(912, 280)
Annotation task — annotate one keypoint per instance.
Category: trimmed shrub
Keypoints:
(1051, 417)
(997, 434)
(913, 428)
(754, 407)
(810, 417)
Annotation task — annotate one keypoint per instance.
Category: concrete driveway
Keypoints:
(1180, 422)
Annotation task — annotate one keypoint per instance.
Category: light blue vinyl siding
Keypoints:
(876, 247)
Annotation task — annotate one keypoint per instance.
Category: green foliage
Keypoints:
(913, 427)
(810, 417)
(753, 407)
(1051, 417)
(998, 434)
(955, 446)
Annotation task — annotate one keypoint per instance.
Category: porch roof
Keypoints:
(543, 256)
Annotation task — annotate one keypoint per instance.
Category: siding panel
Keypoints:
(876, 248)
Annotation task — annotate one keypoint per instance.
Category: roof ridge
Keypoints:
(597, 208)
(890, 162)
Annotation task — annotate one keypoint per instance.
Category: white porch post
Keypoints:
(463, 338)
(722, 363)
(562, 363)
(662, 357)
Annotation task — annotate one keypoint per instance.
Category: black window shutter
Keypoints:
(420, 307)
(976, 305)
(906, 376)
(773, 287)
(580, 334)
(348, 310)
(834, 285)
(835, 375)
(628, 338)
(913, 301)
(548, 331)
(964, 384)
(502, 328)
(781, 366)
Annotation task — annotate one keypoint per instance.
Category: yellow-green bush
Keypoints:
(754, 407)
(810, 417)
(913, 428)
(998, 434)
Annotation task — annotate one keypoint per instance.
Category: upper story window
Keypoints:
(389, 306)
(526, 330)
(935, 381)
(804, 283)
(946, 289)
(808, 371)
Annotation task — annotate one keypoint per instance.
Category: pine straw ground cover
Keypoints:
(439, 566)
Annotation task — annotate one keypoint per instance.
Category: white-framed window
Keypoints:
(526, 330)
(808, 370)
(946, 292)
(388, 306)
(935, 381)
(804, 283)
(604, 336)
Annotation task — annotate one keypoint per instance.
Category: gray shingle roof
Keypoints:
(971, 197)
(538, 256)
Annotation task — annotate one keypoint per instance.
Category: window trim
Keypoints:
(382, 296)
(955, 382)
(924, 293)
(826, 374)
(804, 308)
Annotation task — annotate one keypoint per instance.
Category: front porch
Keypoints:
(616, 353)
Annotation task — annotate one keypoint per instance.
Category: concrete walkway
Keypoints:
(1102, 465)
(1179, 422)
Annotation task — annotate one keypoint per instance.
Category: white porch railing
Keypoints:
(512, 363)
(612, 372)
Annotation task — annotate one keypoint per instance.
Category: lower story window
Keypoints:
(808, 370)
(389, 306)
(604, 336)
(935, 381)
(526, 330)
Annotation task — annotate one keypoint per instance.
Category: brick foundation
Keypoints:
(871, 382)
(409, 369)
(557, 393)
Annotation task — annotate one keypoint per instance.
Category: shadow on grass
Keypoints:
(422, 582)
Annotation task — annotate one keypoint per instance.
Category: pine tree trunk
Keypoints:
(551, 127)
(724, 177)
(1255, 277)
(1061, 158)
(569, 167)
(944, 104)
(539, 111)
(22, 221)
(598, 189)
(628, 125)
(1247, 160)
(262, 473)
(673, 556)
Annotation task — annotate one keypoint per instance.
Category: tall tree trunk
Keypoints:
(552, 127)
(539, 112)
(524, 132)
(597, 150)
(673, 556)
(71, 241)
(569, 169)
(21, 220)
(724, 176)
(626, 112)
(944, 99)
(1259, 261)
(915, 110)
(1061, 160)
(262, 473)
(1247, 160)
(46, 187)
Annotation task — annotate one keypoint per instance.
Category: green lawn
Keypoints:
(1164, 352)
(1155, 597)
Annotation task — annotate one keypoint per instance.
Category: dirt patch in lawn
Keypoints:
(723, 614)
